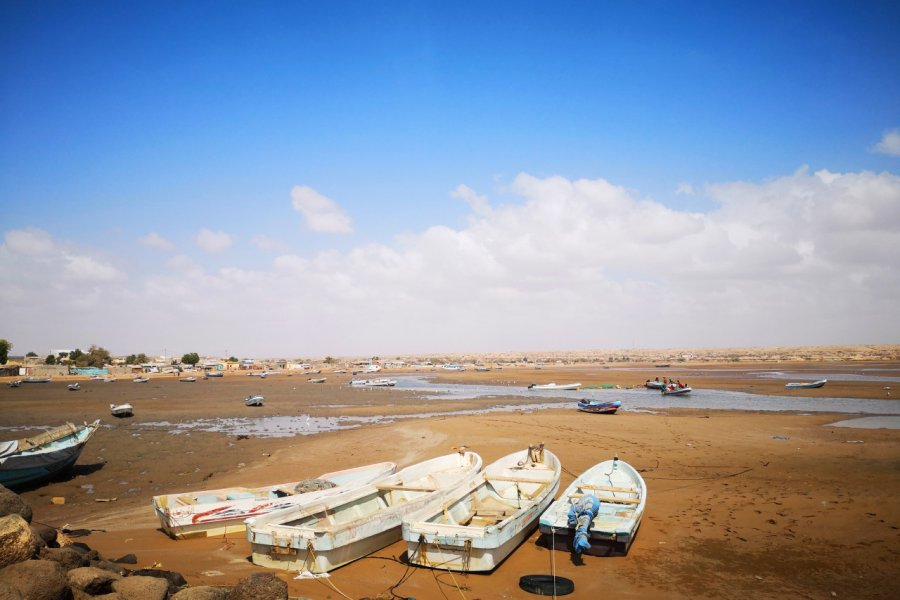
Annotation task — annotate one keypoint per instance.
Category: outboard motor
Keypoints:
(581, 517)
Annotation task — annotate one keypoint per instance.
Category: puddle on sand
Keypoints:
(881, 422)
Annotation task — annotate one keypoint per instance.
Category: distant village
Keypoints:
(98, 361)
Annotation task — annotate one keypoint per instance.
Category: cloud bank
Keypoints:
(890, 143)
(807, 258)
(320, 213)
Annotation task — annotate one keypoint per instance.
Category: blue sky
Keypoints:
(120, 121)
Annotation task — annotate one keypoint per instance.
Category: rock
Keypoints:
(69, 558)
(85, 549)
(260, 586)
(202, 592)
(17, 542)
(36, 580)
(128, 559)
(46, 533)
(12, 504)
(92, 580)
(108, 566)
(141, 587)
(175, 579)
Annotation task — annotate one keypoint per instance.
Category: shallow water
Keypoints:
(882, 422)
(636, 400)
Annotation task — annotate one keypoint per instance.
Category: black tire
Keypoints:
(543, 585)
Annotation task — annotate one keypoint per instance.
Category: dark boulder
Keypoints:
(12, 504)
(36, 580)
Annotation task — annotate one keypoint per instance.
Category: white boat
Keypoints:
(121, 410)
(316, 380)
(453, 367)
(141, 379)
(810, 385)
(554, 386)
(221, 511)
(188, 379)
(483, 522)
(324, 535)
(367, 369)
(15, 383)
(74, 386)
(380, 382)
(600, 512)
(676, 390)
(255, 400)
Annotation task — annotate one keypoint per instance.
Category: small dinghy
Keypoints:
(255, 400)
(600, 512)
(479, 525)
(74, 387)
(676, 390)
(42, 456)
(217, 512)
(188, 379)
(140, 379)
(316, 380)
(806, 386)
(654, 384)
(554, 386)
(121, 410)
(599, 407)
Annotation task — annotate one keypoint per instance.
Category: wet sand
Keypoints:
(740, 504)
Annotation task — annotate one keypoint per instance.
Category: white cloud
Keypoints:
(154, 240)
(684, 189)
(213, 242)
(803, 258)
(264, 242)
(890, 143)
(30, 242)
(320, 212)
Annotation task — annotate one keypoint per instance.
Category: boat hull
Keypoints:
(600, 408)
(38, 464)
(676, 392)
(448, 537)
(806, 386)
(622, 496)
(321, 536)
(203, 514)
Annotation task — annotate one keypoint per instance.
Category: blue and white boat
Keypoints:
(600, 512)
(806, 386)
(42, 456)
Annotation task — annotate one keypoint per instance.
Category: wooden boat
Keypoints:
(141, 379)
(74, 387)
(806, 386)
(600, 512)
(121, 410)
(654, 384)
(481, 523)
(324, 535)
(554, 386)
(255, 400)
(42, 456)
(379, 382)
(674, 390)
(221, 511)
(188, 379)
(599, 407)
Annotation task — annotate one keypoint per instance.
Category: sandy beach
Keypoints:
(740, 504)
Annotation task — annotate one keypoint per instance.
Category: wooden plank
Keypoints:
(608, 488)
(610, 499)
(514, 478)
(404, 488)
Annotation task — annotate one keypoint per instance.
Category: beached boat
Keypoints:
(221, 511)
(42, 456)
(188, 379)
(36, 380)
(74, 387)
(453, 367)
(121, 410)
(654, 384)
(554, 386)
(806, 386)
(255, 400)
(140, 379)
(316, 380)
(676, 390)
(379, 382)
(600, 512)
(480, 524)
(324, 535)
(214, 374)
(15, 383)
(599, 407)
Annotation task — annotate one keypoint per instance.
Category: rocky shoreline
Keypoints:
(39, 562)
